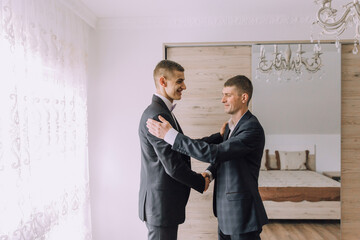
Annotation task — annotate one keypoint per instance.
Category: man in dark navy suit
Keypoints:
(166, 175)
(235, 162)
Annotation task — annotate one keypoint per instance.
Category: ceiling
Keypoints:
(198, 8)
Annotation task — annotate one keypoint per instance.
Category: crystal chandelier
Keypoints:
(332, 25)
(283, 61)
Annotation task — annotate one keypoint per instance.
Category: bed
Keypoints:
(291, 188)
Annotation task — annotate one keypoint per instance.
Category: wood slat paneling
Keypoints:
(200, 113)
(350, 147)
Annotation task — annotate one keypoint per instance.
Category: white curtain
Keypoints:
(44, 182)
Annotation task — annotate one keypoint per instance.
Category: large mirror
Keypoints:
(301, 110)
(301, 115)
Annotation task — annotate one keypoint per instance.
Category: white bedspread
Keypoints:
(303, 178)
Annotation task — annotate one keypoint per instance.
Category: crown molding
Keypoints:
(81, 10)
(220, 21)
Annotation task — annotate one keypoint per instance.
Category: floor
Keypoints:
(301, 230)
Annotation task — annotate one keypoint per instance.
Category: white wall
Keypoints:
(325, 147)
(302, 113)
(125, 53)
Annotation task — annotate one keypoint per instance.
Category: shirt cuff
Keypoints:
(210, 175)
(170, 136)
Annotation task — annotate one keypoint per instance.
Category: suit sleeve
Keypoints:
(173, 164)
(212, 139)
(240, 144)
(213, 169)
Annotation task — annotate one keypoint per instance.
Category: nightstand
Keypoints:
(334, 175)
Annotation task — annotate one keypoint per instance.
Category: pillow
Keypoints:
(264, 160)
(292, 160)
(273, 163)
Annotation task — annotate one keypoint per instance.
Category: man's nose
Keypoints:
(183, 86)
(223, 100)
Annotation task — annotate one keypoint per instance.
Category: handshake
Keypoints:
(207, 180)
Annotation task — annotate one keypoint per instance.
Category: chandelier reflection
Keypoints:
(331, 24)
(283, 63)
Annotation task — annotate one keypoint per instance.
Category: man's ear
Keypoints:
(162, 81)
(245, 98)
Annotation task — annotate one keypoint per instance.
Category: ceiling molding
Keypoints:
(179, 22)
(80, 9)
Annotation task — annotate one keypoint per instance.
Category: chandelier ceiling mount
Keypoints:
(331, 24)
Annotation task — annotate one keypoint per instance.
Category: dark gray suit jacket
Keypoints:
(235, 164)
(166, 175)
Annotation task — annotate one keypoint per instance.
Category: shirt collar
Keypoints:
(167, 102)
(232, 125)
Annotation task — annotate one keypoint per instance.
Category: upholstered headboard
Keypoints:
(272, 161)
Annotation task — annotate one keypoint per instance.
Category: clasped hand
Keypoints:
(207, 180)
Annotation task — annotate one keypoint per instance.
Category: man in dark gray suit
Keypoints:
(166, 175)
(235, 162)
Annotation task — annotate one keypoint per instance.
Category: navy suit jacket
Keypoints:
(235, 164)
(166, 176)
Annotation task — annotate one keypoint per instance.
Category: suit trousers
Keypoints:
(162, 233)
(245, 236)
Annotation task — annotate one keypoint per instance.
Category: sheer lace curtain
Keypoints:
(44, 182)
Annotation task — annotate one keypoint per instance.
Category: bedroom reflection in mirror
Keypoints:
(300, 170)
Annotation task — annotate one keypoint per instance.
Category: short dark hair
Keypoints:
(242, 83)
(166, 68)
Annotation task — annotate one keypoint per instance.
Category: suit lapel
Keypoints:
(226, 133)
(244, 118)
(177, 124)
(163, 105)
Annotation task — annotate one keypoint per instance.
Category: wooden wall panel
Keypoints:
(200, 113)
(350, 144)
(206, 69)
